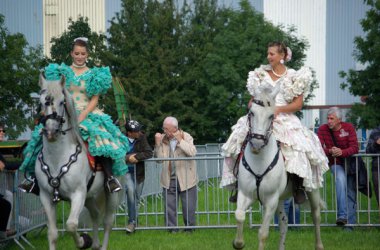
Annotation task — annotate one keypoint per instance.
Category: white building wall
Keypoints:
(56, 14)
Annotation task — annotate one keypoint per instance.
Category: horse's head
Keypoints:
(52, 101)
(260, 119)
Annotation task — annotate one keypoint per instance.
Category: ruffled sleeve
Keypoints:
(256, 81)
(100, 81)
(54, 72)
(298, 83)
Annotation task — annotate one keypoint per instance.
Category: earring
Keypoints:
(282, 61)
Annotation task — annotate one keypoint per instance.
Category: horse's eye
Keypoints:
(61, 103)
(271, 117)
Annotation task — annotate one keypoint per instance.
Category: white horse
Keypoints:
(262, 176)
(63, 172)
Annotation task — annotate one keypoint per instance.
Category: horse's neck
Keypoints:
(64, 143)
(266, 154)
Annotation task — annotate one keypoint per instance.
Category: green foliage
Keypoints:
(366, 82)
(191, 63)
(19, 67)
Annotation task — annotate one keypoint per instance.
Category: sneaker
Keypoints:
(341, 221)
(113, 185)
(10, 232)
(131, 228)
(299, 196)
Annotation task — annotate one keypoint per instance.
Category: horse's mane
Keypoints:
(55, 90)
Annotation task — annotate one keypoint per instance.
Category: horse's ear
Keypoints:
(63, 80)
(274, 92)
(42, 80)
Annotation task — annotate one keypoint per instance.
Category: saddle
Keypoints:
(94, 166)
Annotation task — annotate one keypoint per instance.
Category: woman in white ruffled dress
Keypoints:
(301, 148)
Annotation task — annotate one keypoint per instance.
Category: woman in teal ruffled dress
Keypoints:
(105, 141)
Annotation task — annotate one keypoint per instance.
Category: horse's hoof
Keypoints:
(87, 241)
(237, 246)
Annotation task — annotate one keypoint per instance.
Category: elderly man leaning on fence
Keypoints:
(178, 178)
(339, 141)
(373, 147)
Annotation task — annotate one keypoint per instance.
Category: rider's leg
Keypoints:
(112, 184)
(299, 193)
(30, 185)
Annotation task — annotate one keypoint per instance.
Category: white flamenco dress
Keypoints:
(300, 147)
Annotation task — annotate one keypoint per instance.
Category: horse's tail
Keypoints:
(322, 204)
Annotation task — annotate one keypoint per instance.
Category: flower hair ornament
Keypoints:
(288, 56)
(84, 39)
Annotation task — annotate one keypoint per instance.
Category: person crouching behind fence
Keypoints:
(339, 141)
(178, 178)
(139, 150)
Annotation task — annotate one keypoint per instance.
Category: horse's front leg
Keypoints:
(283, 224)
(77, 203)
(316, 204)
(50, 210)
(243, 202)
(270, 206)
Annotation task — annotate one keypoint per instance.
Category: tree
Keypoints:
(19, 67)
(366, 82)
(192, 62)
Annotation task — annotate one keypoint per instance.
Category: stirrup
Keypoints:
(28, 185)
(112, 181)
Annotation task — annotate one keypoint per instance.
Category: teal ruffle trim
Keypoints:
(98, 80)
(96, 136)
(31, 151)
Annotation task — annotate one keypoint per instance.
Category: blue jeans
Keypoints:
(345, 194)
(131, 198)
(292, 210)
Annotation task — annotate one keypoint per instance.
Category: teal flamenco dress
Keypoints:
(103, 137)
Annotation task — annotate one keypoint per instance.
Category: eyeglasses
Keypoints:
(2, 131)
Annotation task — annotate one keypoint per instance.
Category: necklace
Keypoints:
(279, 76)
(79, 66)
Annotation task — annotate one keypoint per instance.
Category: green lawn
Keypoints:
(333, 238)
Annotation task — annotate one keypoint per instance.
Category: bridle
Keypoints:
(262, 137)
(49, 101)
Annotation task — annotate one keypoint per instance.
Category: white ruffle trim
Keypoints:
(294, 83)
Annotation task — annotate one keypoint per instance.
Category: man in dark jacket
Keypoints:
(373, 147)
(139, 150)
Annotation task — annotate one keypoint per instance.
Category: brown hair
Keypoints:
(281, 47)
(80, 43)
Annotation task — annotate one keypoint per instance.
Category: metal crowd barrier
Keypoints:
(27, 212)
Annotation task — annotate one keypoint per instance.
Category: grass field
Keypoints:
(333, 238)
